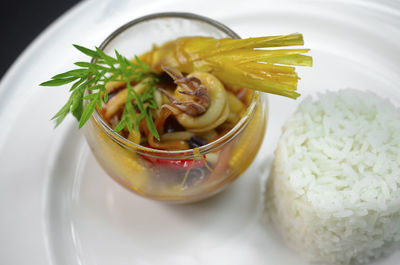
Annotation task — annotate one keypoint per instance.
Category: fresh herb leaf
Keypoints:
(121, 125)
(151, 126)
(72, 73)
(59, 82)
(87, 51)
(62, 113)
(89, 85)
(107, 59)
(82, 64)
(87, 112)
(76, 84)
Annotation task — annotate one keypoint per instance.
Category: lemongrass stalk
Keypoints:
(204, 47)
(294, 59)
(249, 55)
(269, 68)
(236, 77)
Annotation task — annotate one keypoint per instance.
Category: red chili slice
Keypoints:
(180, 164)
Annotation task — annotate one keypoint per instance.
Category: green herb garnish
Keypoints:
(89, 84)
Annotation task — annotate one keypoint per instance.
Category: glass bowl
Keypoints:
(143, 170)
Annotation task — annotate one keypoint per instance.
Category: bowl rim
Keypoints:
(176, 154)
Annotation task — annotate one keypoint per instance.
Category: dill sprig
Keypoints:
(89, 85)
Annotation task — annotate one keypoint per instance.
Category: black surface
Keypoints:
(22, 20)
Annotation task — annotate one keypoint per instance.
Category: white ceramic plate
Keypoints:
(57, 205)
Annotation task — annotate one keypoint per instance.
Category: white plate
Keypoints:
(59, 207)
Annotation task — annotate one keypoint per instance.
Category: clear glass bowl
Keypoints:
(129, 163)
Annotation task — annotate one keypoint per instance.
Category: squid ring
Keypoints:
(217, 105)
(221, 119)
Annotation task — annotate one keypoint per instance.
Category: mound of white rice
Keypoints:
(334, 191)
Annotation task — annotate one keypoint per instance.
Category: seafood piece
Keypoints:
(194, 99)
(166, 144)
(113, 86)
(214, 92)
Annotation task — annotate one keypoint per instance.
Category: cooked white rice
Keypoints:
(334, 191)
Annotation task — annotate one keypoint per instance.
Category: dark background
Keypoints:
(21, 21)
